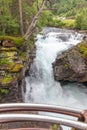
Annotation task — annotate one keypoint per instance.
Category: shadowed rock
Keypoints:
(71, 65)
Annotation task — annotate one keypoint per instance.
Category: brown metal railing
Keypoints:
(12, 117)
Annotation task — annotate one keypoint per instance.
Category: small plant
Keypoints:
(66, 66)
(83, 49)
(4, 91)
(17, 40)
(4, 61)
(17, 67)
(54, 127)
(6, 79)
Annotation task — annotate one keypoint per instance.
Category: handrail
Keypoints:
(41, 107)
(5, 118)
(28, 129)
(11, 117)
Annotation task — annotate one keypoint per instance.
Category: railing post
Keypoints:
(85, 116)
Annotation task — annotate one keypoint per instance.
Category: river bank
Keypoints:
(15, 61)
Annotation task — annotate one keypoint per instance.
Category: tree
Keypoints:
(21, 18)
(34, 21)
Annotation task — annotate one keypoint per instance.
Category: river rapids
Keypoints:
(40, 85)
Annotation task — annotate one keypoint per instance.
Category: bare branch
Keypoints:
(34, 21)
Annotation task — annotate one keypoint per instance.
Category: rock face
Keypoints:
(71, 65)
(14, 64)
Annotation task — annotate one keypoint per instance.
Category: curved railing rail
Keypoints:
(41, 107)
(12, 117)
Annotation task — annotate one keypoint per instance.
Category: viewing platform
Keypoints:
(25, 113)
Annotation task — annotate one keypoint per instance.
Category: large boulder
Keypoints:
(71, 65)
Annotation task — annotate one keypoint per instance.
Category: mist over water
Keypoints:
(40, 85)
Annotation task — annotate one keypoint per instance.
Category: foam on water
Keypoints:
(41, 86)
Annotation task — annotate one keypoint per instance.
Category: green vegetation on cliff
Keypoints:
(17, 40)
(83, 49)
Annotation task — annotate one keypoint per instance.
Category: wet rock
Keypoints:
(63, 37)
(8, 43)
(71, 65)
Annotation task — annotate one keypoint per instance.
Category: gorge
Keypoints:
(40, 85)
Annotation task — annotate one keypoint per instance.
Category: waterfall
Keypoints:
(40, 85)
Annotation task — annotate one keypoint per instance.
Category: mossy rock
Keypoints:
(17, 40)
(4, 61)
(8, 54)
(22, 56)
(8, 49)
(17, 67)
(6, 79)
(8, 43)
(4, 91)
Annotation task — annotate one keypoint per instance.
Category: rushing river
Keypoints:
(41, 86)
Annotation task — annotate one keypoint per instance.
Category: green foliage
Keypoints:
(68, 7)
(54, 127)
(4, 91)
(4, 61)
(7, 22)
(7, 79)
(81, 20)
(83, 49)
(17, 40)
(44, 19)
(69, 23)
(73, 10)
(9, 15)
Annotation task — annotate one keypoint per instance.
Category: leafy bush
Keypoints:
(81, 20)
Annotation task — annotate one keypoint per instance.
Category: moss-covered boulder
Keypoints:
(9, 41)
(15, 60)
(71, 65)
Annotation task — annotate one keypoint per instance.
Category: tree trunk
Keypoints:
(37, 5)
(21, 18)
(34, 21)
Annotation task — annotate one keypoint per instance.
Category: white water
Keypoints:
(41, 86)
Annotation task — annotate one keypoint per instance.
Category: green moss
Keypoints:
(83, 49)
(22, 55)
(4, 91)
(17, 40)
(16, 68)
(8, 49)
(66, 66)
(7, 79)
(4, 61)
(54, 127)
